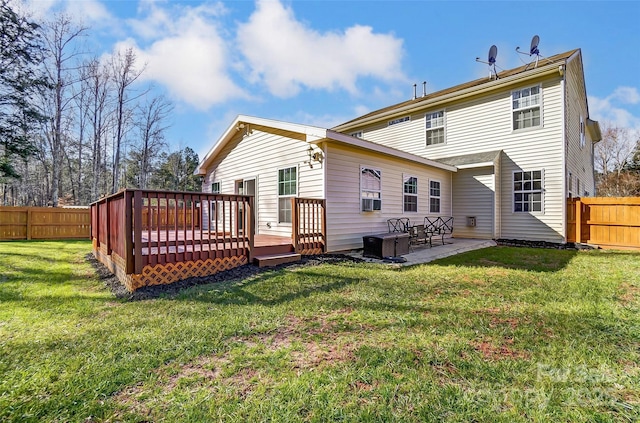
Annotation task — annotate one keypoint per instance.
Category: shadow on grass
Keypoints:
(519, 258)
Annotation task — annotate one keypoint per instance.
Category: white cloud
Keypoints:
(287, 55)
(186, 54)
(91, 13)
(615, 108)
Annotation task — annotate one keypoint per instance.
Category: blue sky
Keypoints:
(326, 62)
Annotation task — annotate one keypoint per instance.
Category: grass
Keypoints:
(501, 334)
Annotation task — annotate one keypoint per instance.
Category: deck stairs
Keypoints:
(273, 255)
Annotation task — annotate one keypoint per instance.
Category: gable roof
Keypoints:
(306, 133)
(545, 66)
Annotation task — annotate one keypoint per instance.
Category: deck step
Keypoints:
(275, 259)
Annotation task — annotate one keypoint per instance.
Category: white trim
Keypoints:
(519, 109)
(444, 127)
(439, 197)
(360, 197)
(542, 193)
(278, 196)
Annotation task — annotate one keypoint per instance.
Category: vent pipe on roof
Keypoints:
(415, 93)
(424, 88)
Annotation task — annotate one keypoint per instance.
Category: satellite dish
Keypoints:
(491, 61)
(533, 50)
(534, 46)
(493, 53)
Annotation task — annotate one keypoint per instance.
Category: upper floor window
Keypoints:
(410, 196)
(370, 189)
(526, 107)
(582, 136)
(287, 188)
(215, 188)
(435, 127)
(527, 191)
(434, 197)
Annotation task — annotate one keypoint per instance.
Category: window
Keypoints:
(287, 188)
(434, 197)
(527, 191)
(370, 189)
(215, 188)
(526, 107)
(582, 139)
(435, 127)
(570, 182)
(410, 199)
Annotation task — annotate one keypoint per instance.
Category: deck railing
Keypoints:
(147, 228)
(610, 222)
(309, 226)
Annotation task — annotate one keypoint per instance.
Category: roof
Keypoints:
(306, 133)
(504, 77)
(472, 160)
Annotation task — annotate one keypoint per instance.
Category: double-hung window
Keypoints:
(435, 127)
(410, 198)
(370, 189)
(526, 107)
(287, 188)
(434, 197)
(582, 136)
(215, 188)
(527, 191)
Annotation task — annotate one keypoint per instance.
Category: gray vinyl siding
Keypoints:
(260, 156)
(484, 123)
(473, 195)
(346, 223)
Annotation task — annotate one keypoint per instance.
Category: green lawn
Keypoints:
(501, 334)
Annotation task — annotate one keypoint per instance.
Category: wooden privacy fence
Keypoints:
(44, 223)
(609, 222)
(159, 237)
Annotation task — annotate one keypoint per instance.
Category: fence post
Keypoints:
(252, 227)
(29, 222)
(578, 221)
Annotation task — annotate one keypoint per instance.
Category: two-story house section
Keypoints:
(521, 143)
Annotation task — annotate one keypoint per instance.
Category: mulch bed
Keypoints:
(238, 273)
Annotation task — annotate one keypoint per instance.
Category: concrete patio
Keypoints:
(419, 254)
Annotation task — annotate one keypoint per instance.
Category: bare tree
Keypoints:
(96, 83)
(152, 122)
(123, 75)
(60, 37)
(613, 157)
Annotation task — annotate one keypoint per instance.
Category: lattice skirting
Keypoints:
(162, 274)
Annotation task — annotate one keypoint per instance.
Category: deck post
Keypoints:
(137, 231)
(295, 223)
(578, 221)
(324, 225)
(128, 232)
(252, 228)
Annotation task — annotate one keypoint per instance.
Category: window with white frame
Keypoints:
(434, 197)
(570, 184)
(582, 136)
(525, 105)
(287, 188)
(435, 127)
(215, 188)
(370, 189)
(527, 191)
(410, 197)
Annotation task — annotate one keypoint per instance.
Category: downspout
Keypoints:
(324, 194)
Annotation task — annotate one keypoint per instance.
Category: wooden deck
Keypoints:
(159, 237)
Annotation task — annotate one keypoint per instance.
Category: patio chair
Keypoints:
(401, 224)
(419, 235)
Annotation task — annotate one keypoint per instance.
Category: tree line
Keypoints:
(75, 127)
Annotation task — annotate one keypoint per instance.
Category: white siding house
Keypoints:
(500, 155)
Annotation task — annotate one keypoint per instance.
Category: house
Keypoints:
(501, 155)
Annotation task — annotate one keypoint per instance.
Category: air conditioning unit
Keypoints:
(371, 204)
